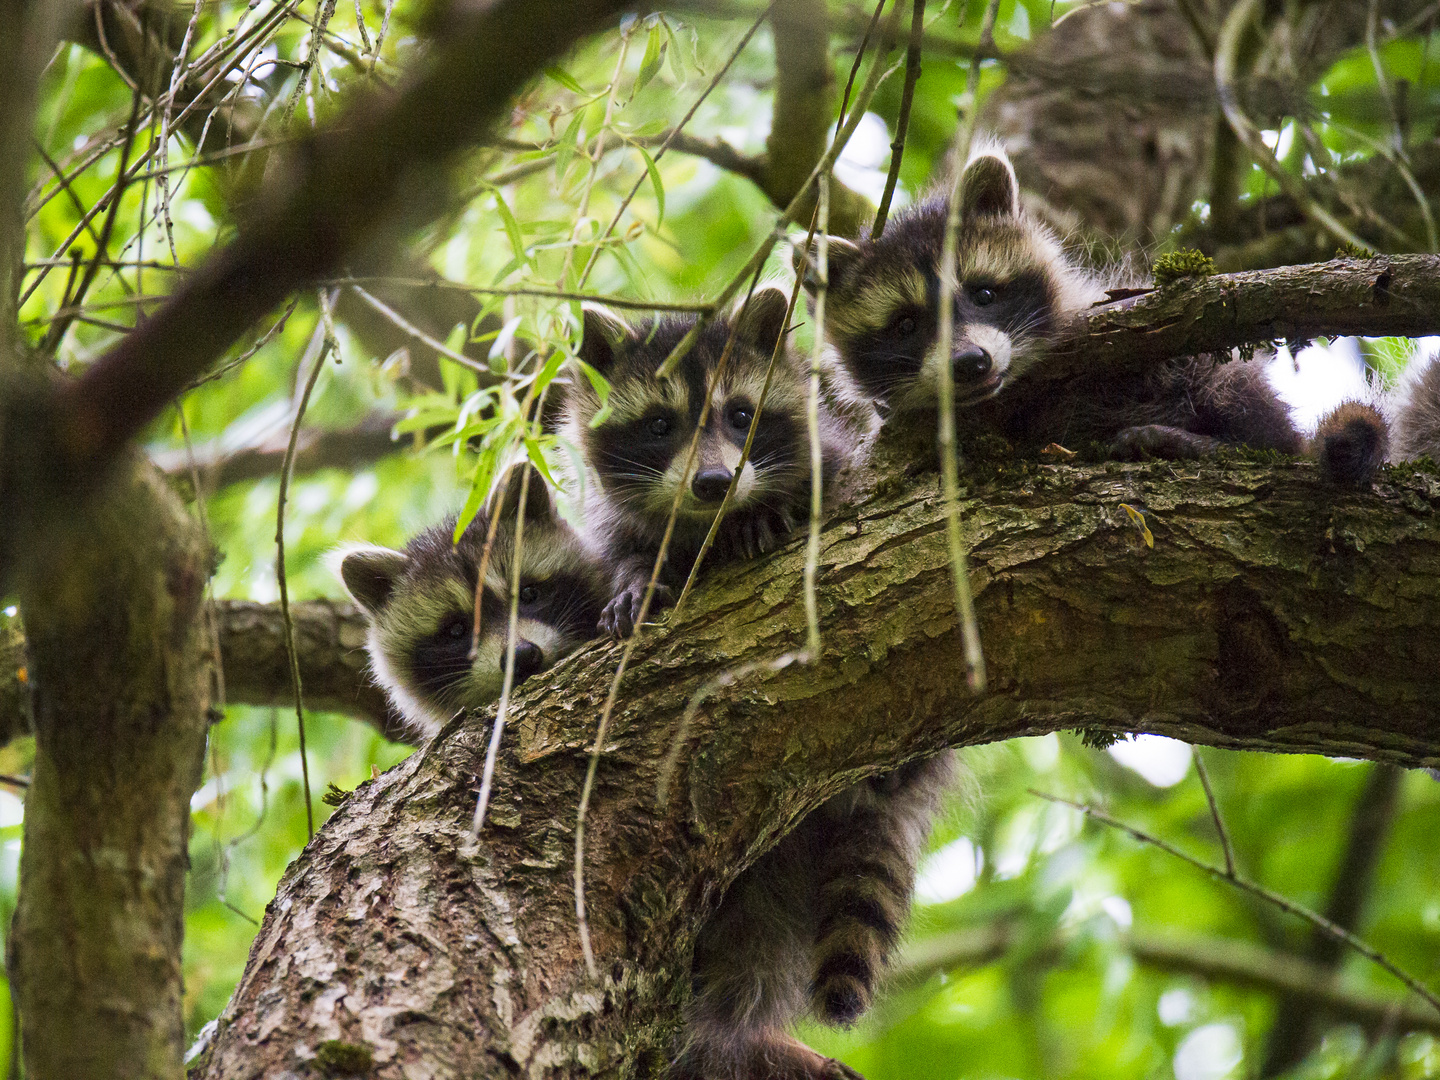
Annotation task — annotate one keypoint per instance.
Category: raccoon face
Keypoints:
(882, 307)
(637, 454)
(420, 603)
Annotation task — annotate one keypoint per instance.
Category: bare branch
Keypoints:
(1216, 959)
(342, 188)
(1391, 295)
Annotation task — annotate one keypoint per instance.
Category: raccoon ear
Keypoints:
(601, 331)
(840, 256)
(506, 497)
(990, 188)
(369, 574)
(762, 320)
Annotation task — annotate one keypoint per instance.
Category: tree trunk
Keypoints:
(1271, 614)
(121, 670)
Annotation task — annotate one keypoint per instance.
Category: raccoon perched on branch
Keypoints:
(1016, 288)
(635, 459)
(420, 604)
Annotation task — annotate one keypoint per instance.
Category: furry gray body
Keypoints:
(1015, 288)
(420, 604)
(808, 928)
(634, 460)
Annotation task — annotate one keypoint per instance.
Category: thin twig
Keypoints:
(1318, 921)
(902, 122)
(949, 463)
(57, 329)
(421, 336)
(691, 456)
(1215, 814)
(672, 136)
(518, 290)
(261, 342)
(321, 343)
(1226, 54)
(723, 681)
(508, 681)
(812, 420)
(878, 74)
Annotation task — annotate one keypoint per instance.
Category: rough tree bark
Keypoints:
(1271, 614)
(121, 667)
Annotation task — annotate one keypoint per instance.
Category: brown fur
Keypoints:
(809, 926)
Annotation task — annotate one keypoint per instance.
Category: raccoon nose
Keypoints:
(710, 485)
(529, 660)
(970, 364)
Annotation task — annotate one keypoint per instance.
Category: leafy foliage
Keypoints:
(1018, 962)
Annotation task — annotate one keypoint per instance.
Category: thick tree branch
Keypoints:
(1216, 959)
(1269, 615)
(112, 602)
(803, 114)
(354, 447)
(330, 639)
(1391, 295)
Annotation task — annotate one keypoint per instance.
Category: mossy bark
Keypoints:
(120, 675)
(1270, 614)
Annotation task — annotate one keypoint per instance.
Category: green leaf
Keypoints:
(565, 149)
(656, 183)
(503, 338)
(565, 79)
(534, 452)
(512, 227)
(654, 57)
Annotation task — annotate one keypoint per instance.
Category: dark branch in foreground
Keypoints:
(351, 186)
(1270, 615)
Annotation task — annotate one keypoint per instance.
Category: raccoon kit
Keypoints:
(1016, 287)
(420, 604)
(635, 459)
(808, 929)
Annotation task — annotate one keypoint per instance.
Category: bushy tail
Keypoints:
(866, 871)
(1351, 444)
(1417, 411)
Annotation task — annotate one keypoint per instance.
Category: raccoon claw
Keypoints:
(621, 615)
(1159, 441)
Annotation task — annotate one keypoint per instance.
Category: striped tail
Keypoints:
(866, 871)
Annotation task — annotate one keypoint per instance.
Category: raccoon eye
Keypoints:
(529, 594)
(905, 327)
(658, 426)
(455, 627)
(983, 296)
(740, 418)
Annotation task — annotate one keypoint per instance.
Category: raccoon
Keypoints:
(1417, 411)
(420, 604)
(635, 458)
(808, 928)
(1017, 287)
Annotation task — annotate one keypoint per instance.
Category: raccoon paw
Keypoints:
(620, 616)
(1159, 441)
